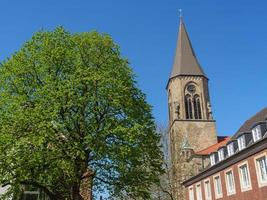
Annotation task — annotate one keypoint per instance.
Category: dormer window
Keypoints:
(212, 159)
(241, 142)
(221, 154)
(256, 133)
(230, 149)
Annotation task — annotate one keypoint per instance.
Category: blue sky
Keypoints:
(229, 38)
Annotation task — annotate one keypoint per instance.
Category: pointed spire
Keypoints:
(185, 61)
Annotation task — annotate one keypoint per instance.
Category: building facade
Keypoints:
(203, 165)
(191, 125)
(238, 168)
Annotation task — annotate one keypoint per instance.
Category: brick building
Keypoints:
(238, 166)
(201, 161)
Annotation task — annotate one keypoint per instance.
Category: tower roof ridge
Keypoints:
(185, 61)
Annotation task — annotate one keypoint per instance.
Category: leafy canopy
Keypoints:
(69, 106)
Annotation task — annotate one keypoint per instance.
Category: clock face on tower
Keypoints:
(191, 88)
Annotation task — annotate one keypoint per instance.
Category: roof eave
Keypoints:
(181, 75)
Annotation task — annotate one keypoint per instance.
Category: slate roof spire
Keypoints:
(185, 61)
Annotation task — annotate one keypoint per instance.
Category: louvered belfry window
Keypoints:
(192, 103)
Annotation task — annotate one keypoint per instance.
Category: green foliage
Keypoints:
(69, 104)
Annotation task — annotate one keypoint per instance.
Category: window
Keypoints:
(244, 177)
(221, 154)
(212, 159)
(32, 193)
(230, 149)
(197, 108)
(230, 183)
(218, 187)
(241, 142)
(192, 102)
(198, 191)
(256, 133)
(207, 189)
(261, 169)
(191, 193)
(188, 107)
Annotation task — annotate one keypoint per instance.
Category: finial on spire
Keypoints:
(180, 13)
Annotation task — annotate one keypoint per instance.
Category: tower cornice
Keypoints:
(184, 76)
(191, 120)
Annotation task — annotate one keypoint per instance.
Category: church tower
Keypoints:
(190, 114)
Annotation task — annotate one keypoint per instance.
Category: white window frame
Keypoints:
(198, 191)
(212, 159)
(230, 149)
(243, 187)
(207, 189)
(221, 154)
(241, 142)
(229, 192)
(217, 195)
(256, 133)
(261, 183)
(191, 193)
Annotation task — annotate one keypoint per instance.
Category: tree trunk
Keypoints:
(75, 193)
(86, 185)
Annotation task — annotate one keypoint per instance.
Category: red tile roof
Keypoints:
(222, 141)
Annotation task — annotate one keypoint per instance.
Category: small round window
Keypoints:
(191, 88)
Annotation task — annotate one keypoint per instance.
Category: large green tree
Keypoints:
(71, 111)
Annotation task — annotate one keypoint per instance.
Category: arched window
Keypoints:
(192, 102)
(197, 108)
(188, 107)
